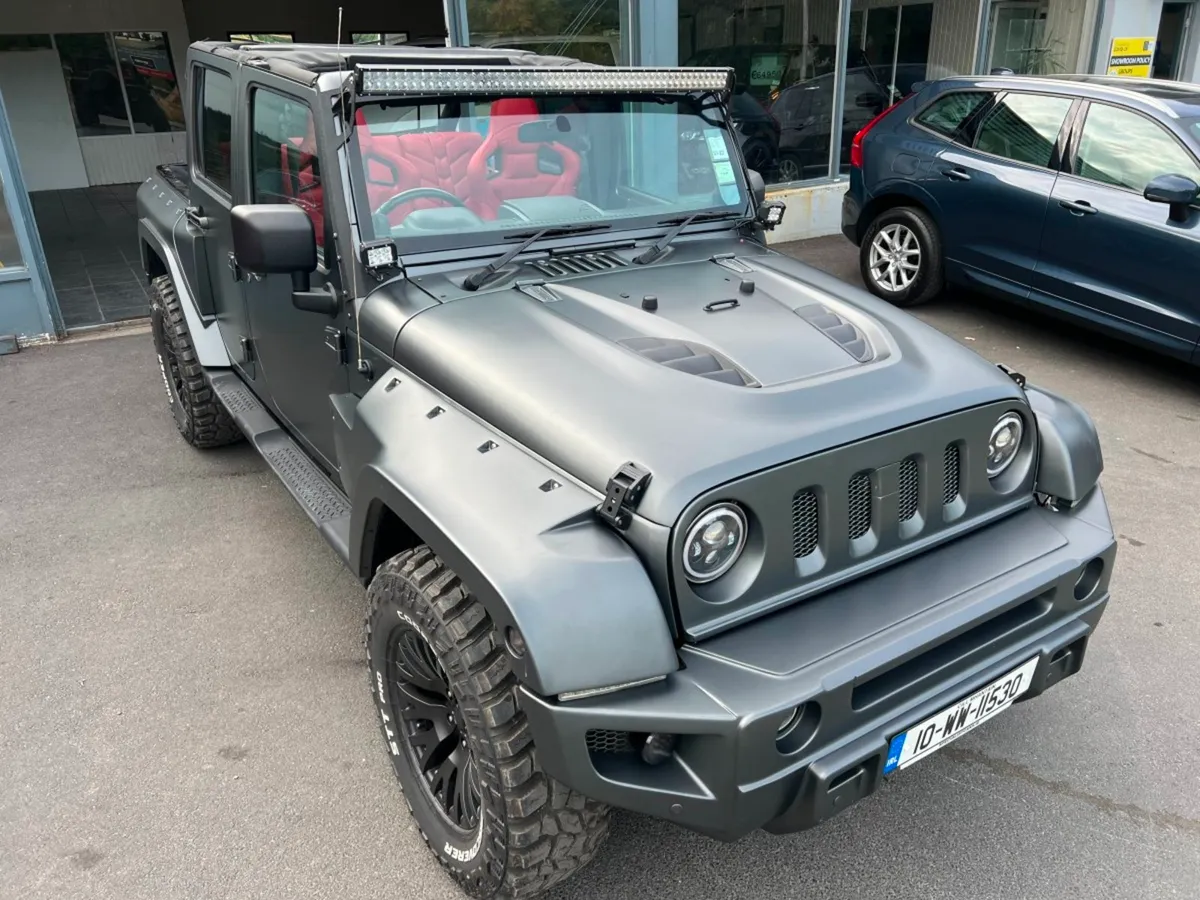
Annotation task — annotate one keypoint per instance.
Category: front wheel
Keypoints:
(900, 258)
(459, 743)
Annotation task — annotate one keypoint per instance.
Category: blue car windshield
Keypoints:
(463, 173)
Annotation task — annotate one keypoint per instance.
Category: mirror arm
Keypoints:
(323, 301)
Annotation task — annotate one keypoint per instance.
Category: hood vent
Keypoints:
(691, 358)
(579, 263)
(845, 334)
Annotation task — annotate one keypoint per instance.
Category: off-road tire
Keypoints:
(199, 414)
(928, 282)
(532, 832)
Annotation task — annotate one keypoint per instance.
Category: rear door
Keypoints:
(993, 187)
(213, 168)
(1110, 253)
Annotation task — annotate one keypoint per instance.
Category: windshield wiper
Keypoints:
(476, 280)
(680, 222)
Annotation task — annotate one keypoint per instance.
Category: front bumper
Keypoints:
(866, 661)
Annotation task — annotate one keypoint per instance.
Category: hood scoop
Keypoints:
(579, 264)
(684, 356)
(843, 333)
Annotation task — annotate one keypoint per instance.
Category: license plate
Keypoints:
(955, 721)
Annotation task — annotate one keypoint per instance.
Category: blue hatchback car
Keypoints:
(1075, 193)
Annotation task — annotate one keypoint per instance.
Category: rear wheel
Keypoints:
(199, 415)
(900, 257)
(460, 745)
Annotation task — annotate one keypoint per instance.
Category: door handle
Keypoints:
(1078, 207)
(957, 174)
(197, 220)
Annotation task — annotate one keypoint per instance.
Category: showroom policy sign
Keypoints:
(1131, 57)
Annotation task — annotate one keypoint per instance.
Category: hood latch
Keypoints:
(624, 492)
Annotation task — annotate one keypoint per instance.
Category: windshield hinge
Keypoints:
(1013, 374)
(624, 492)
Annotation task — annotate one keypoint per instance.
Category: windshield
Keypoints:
(465, 173)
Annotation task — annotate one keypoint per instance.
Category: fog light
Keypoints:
(1089, 578)
(797, 727)
(658, 748)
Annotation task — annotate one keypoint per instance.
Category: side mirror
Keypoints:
(1178, 191)
(758, 188)
(274, 238)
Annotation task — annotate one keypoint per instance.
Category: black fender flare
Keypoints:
(523, 537)
(1069, 458)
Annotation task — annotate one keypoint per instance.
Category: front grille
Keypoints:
(579, 264)
(910, 487)
(806, 529)
(950, 487)
(600, 740)
(859, 506)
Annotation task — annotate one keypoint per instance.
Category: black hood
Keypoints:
(734, 365)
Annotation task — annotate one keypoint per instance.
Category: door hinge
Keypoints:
(247, 350)
(624, 492)
(335, 340)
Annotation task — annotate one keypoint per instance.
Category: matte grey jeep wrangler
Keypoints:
(649, 515)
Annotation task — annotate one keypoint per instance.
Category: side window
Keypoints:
(284, 164)
(216, 127)
(949, 113)
(1125, 149)
(1024, 127)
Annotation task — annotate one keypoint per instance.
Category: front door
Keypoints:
(993, 194)
(1171, 46)
(211, 198)
(1109, 252)
(298, 352)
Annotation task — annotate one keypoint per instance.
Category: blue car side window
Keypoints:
(950, 113)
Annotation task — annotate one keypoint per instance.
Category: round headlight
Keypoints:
(714, 543)
(1004, 443)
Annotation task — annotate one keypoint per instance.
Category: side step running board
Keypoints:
(323, 500)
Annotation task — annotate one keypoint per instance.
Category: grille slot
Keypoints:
(859, 506)
(806, 528)
(578, 263)
(950, 469)
(910, 489)
(601, 740)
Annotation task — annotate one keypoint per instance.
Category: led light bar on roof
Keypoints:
(521, 79)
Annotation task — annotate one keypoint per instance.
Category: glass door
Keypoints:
(1174, 26)
(1016, 38)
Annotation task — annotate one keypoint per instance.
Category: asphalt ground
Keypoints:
(184, 710)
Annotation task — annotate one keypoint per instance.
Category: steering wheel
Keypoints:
(420, 193)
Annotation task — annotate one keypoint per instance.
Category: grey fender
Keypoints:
(206, 338)
(1070, 461)
(522, 536)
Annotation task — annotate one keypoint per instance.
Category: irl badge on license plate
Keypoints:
(955, 721)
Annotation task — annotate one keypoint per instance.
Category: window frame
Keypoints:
(1057, 153)
(198, 80)
(1071, 155)
(254, 88)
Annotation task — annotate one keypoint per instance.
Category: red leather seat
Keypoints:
(400, 162)
(506, 168)
(302, 178)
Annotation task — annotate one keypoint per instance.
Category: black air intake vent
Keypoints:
(691, 358)
(579, 263)
(845, 334)
(950, 487)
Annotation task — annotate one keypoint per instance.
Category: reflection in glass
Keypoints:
(387, 39)
(216, 127)
(10, 251)
(278, 37)
(150, 82)
(589, 30)
(93, 84)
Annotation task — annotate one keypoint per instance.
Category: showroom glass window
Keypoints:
(589, 30)
(120, 82)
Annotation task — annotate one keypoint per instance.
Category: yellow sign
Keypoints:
(1131, 57)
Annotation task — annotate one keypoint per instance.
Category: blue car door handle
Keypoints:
(957, 174)
(1078, 207)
